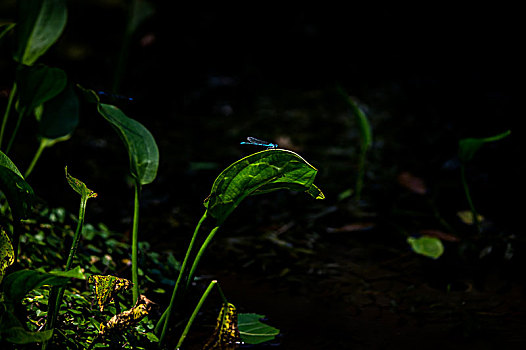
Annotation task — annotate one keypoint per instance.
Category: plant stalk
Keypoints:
(7, 112)
(468, 197)
(41, 147)
(197, 258)
(57, 293)
(196, 311)
(135, 244)
(165, 318)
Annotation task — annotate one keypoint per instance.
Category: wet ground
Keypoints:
(332, 274)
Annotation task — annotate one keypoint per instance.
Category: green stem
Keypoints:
(7, 112)
(56, 294)
(468, 197)
(21, 114)
(198, 256)
(165, 318)
(361, 174)
(196, 311)
(135, 244)
(41, 147)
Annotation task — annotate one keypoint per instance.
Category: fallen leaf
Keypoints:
(412, 183)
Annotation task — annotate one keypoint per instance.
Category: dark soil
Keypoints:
(204, 79)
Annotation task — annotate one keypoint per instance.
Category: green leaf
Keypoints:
(142, 149)
(60, 116)
(469, 146)
(253, 331)
(17, 191)
(79, 187)
(261, 172)
(428, 246)
(7, 253)
(141, 146)
(12, 330)
(38, 84)
(363, 123)
(41, 24)
(18, 284)
(6, 162)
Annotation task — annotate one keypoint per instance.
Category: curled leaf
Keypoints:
(79, 186)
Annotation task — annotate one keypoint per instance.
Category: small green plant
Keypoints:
(467, 149)
(261, 172)
(366, 141)
(55, 298)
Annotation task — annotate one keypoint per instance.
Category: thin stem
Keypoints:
(56, 294)
(21, 114)
(198, 256)
(135, 244)
(7, 111)
(196, 311)
(468, 197)
(41, 147)
(165, 318)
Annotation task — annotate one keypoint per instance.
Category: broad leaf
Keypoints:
(7, 253)
(142, 149)
(141, 146)
(431, 247)
(6, 162)
(468, 147)
(107, 287)
(60, 116)
(261, 172)
(253, 331)
(38, 84)
(41, 23)
(17, 284)
(226, 333)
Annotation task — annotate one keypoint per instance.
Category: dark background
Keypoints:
(204, 78)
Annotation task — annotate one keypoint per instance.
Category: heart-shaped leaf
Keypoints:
(261, 172)
(41, 24)
(107, 287)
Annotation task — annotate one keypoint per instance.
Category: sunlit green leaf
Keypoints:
(40, 24)
(428, 246)
(226, 333)
(7, 254)
(468, 147)
(17, 284)
(107, 287)
(253, 331)
(261, 172)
